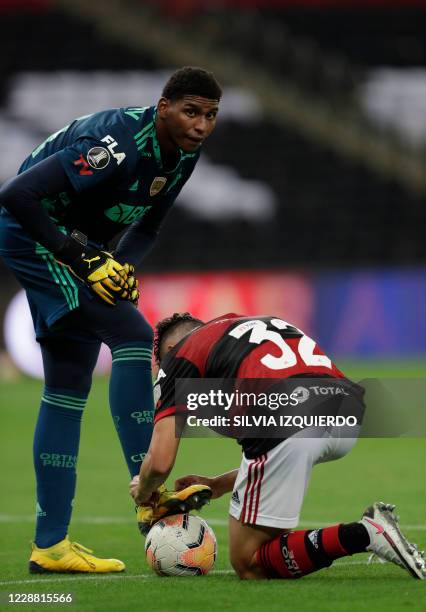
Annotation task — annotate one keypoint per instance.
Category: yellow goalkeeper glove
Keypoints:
(108, 278)
(130, 291)
(102, 273)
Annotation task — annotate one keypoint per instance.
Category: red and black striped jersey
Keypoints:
(238, 347)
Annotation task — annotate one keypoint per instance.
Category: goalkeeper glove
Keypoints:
(97, 269)
(130, 290)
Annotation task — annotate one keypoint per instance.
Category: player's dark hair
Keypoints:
(168, 325)
(192, 81)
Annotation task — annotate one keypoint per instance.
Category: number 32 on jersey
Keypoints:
(259, 333)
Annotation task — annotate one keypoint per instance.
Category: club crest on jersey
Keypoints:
(157, 185)
(98, 158)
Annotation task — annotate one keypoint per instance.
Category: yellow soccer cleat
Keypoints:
(70, 557)
(172, 502)
(144, 516)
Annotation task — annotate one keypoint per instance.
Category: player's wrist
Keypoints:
(70, 251)
(218, 486)
(76, 254)
(223, 483)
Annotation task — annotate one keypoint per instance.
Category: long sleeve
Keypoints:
(135, 245)
(138, 240)
(22, 195)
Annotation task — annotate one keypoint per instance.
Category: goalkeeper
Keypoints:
(114, 172)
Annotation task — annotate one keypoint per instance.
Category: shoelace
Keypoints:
(81, 551)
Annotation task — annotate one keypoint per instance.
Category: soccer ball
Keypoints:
(181, 545)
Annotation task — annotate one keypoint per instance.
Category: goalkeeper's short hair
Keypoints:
(167, 326)
(192, 81)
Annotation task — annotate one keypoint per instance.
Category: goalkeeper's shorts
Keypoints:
(52, 290)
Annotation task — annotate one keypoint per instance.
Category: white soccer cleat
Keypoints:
(388, 543)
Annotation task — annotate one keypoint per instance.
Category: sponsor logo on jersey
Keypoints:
(236, 498)
(157, 185)
(301, 394)
(98, 158)
(84, 170)
(111, 145)
(125, 213)
(328, 390)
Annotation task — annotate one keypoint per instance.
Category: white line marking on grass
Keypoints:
(108, 577)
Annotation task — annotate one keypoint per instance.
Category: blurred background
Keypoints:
(309, 198)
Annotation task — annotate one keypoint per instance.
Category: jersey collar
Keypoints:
(156, 147)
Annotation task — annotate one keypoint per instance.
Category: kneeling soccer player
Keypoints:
(269, 487)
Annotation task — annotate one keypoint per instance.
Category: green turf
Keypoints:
(391, 470)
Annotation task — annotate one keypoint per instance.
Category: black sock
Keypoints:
(354, 537)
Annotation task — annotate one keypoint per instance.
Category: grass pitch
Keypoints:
(390, 470)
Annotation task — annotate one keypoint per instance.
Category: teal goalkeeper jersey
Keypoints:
(113, 162)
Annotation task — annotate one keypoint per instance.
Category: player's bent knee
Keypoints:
(240, 568)
(245, 566)
(138, 329)
(248, 575)
(134, 329)
(245, 572)
(143, 333)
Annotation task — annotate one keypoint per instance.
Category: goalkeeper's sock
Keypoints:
(131, 400)
(298, 553)
(55, 449)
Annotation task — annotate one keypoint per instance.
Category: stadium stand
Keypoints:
(318, 193)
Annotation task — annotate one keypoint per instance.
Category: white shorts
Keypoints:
(270, 489)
